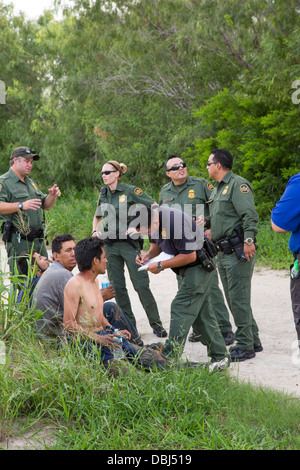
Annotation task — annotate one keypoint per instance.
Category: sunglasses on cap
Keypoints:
(176, 167)
(108, 172)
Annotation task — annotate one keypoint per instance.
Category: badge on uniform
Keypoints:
(225, 190)
(138, 191)
(244, 188)
(191, 194)
(122, 198)
(164, 233)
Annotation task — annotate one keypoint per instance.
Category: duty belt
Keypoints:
(228, 245)
(30, 236)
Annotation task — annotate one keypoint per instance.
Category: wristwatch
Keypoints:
(159, 266)
(20, 206)
(249, 241)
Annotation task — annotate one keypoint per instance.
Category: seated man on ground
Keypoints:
(49, 294)
(32, 265)
(83, 311)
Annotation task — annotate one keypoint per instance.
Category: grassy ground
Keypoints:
(85, 408)
(188, 409)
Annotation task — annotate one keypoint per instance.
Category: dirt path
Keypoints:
(277, 366)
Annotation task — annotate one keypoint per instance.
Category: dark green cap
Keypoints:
(24, 152)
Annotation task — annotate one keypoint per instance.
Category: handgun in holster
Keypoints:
(7, 231)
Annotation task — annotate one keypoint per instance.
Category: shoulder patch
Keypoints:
(138, 191)
(210, 186)
(244, 188)
(0, 186)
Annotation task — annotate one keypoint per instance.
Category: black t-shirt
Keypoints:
(178, 233)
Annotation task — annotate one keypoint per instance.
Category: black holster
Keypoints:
(6, 231)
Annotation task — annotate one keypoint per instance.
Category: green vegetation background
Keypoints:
(135, 81)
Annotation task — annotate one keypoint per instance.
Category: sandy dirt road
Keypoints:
(278, 365)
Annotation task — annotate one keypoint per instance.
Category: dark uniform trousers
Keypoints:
(295, 298)
(237, 288)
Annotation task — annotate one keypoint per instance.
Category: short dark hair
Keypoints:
(224, 157)
(24, 261)
(142, 214)
(170, 158)
(86, 250)
(59, 240)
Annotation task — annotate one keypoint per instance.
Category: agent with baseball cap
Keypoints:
(22, 205)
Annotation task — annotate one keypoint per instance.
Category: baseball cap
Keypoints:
(24, 152)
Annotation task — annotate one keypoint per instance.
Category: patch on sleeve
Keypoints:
(210, 186)
(244, 188)
(138, 191)
(0, 186)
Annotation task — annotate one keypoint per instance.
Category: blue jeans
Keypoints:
(91, 350)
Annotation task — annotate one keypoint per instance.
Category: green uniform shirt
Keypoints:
(194, 191)
(232, 205)
(121, 199)
(12, 189)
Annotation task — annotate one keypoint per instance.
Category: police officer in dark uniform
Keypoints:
(22, 205)
(190, 194)
(173, 232)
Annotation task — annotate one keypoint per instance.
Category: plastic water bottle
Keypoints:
(295, 270)
(104, 281)
(118, 353)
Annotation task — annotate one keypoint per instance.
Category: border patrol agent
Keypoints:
(115, 201)
(22, 205)
(188, 194)
(190, 305)
(233, 221)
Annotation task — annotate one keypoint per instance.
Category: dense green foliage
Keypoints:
(136, 80)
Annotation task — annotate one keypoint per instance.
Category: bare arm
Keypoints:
(96, 222)
(50, 200)
(153, 251)
(278, 229)
(12, 207)
(176, 262)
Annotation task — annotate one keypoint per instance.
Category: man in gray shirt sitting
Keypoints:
(49, 294)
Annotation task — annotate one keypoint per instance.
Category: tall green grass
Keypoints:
(189, 409)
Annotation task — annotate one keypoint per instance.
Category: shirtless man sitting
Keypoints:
(83, 303)
(83, 314)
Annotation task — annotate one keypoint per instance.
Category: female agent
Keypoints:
(114, 202)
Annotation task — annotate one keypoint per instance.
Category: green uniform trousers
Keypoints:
(119, 254)
(17, 245)
(192, 306)
(218, 304)
(237, 288)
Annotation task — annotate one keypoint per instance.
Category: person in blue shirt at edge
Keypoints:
(285, 218)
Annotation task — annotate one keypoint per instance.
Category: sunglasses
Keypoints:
(177, 167)
(211, 163)
(108, 172)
